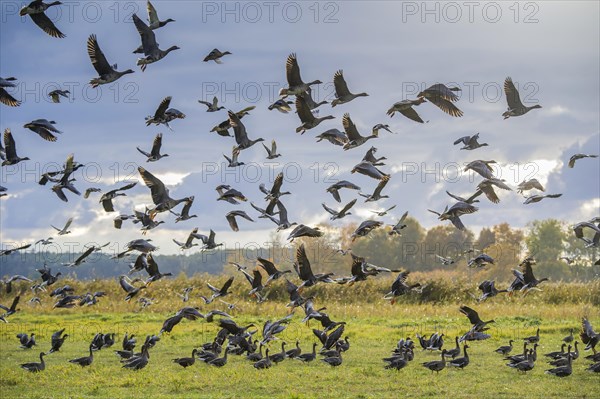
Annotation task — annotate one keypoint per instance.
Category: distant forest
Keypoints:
(547, 240)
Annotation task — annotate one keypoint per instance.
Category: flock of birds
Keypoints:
(240, 340)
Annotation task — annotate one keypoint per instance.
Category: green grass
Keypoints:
(373, 328)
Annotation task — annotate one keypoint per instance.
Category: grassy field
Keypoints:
(373, 329)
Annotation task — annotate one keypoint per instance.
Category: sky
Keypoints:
(391, 50)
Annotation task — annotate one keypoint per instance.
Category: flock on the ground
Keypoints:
(231, 338)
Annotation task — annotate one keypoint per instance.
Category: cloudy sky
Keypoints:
(389, 49)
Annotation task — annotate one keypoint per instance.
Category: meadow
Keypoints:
(373, 327)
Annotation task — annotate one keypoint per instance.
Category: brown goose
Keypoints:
(354, 137)
(84, 361)
(295, 84)
(515, 106)
(307, 118)
(35, 367)
(442, 97)
(437, 365)
(342, 94)
(36, 11)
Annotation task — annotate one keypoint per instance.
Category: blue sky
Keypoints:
(388, 49)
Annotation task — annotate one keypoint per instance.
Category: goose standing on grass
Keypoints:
(149, 45)
(241, 136)
(569, 338)
(537, 198)
(436, 365)
(354, 137)
(57, 340)
(6, 98)
(562, 371)
(576, 157)
(376, 196)
(515, 106)
(36, 11)
(187, 361)
(55, 95)
(212, 106)
(263, 363)
(308, 357)
(505, 349)
(216, 55)
(398, 227)
(10, 150)
(272, 153)
(470, 142)
(405, 107)
(106, 72)
(154, 154)
(86, 360)
(308, 119)
(342, 94)
(533, 339)
(153, 21)
(35, 367)
(461, 362)
(295, 84)
(442, 97)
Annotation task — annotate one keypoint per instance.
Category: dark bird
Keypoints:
(55, 95)
(149, 44)
(442, 97)
(295, 84)
(10, 150)
(185, 211)
(5, 97)
(334, 188)
(576, 157)
(537, 198)
(355, 139)
(515, 106)
(308, 119)
(365, 228)
(304, 270)
(160, 194)
(488, 290)
(400, 287)
(216, 55)
(271, 270)
(84, 361)
(436, 365)
(35, 367)
(376, 196)
(57, 340)
(405, 107)
(36, 11)
(341, 213)
(107, 197)
(304, 231)
(187, 361)
(13, 250)
(163, 114)
(128, 288)
(398, 227)
(212, 106)
(342, 94)
(154, 154)
(239, 130)
(470, 142)
(81, 258)
(220, 292)
(43, 128)
(106, 72)
(272, 152)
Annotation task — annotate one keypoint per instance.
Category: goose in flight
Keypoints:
(470, 142)
(365, 228)
(6, 98)
(470, 200)
(239, 130)
(149, 45)
(282, 106)
(341, 213)
(189, 243)
(107, 197)
(233, 222)
(515, 106)
(304, 231)
(575, 157)
(185, 211)
(55, 95)
(10, 150)
(64, 230)
(405, 107)
(370, 157)
(153, 21)
(334, 188)
(334, 136)
(283, 223)
(368, 169)
(222, 129)
(13, 250)
(354, 137)
(537, 198)
(233, 161)
(81, 258)
(397, 228)
(482, 168)
(310, 102)
(219, 292)
(376, 196)
(295, 84)
(212, 106)
(106, 72)
(400, 287)
(342, 94)
(480, 261)
(151, 268)
(164, 114)
(272, 152)
(231, 195)
(130, 289)
(271, 270)
(304, 270)
(442, 97)
(487, 187)
(308, 119)
(453, 214)
(384, 212)
(36, 11)
(216, 55)
(160, 194)
(275, 191)
(209, 242)
(154, 154)
(530, 184)
(593, 225)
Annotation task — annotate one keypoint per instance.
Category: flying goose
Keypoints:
(282, 106)
(255, 281)
(530, 184)
(295, 84)
(397, 228)
(222, 129)
(537, 198)
(6, 98)
(212, 106)
(271, 270)
(593, 225)
(488, 289)
(209, 242)
(472, 199)
(107, 197)
(400, 287)
(9, 281)
(160, 194)
(487, 187)
(149, 45)
(341, 213)
(272, 153)
(106, 72)
(453, 214)
(470, 142)
(334, 136)
(151, 268)
(81, 258)
(334, 188)
(405, 107)
(239, 130)
(368, 169)
(164, 114)
(232, 221)
(55, 95)
(216, 55)
(370, 157)
(57, 340)
(376, 196)
(64, 230)
(219, 292)
(189, 243)
(380, 126)
(304, 270)
(304, 231)
(308, 119)
(283, 223)
(231, 195)
(384, 212)
(575, 157)
(13, 250)
(275, 191)
(154, 154)
(588, 336)
(128, 288)
(354, 137)
(185, 211)
(365, 228)
(446, 261)
(482, 168)
(153, 21)
(10, 150)
(342, 93)
(36, 10)
(515, 106)
(233, 161)
(442, 97)
(310, 102)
